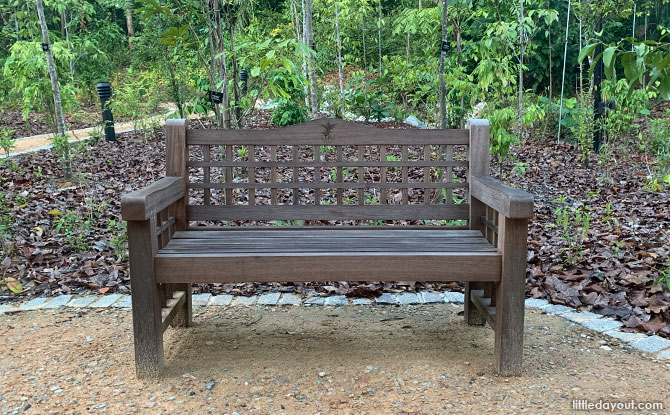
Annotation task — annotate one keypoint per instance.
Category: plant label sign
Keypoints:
(215, 97)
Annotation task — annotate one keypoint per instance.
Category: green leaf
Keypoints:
(255, 71)
(664, 87)
(586, 51)
(608, 56)
(629, 65)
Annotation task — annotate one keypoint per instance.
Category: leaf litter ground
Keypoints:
(612, 273)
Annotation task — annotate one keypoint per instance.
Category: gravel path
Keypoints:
(403, 360)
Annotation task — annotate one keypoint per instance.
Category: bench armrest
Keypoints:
(510, 202)
(149, 201)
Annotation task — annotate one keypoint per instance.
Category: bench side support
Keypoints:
(479, 158)
(510, 295)
(176, 159)
(147, 318)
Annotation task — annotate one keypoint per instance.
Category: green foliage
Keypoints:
(582, 127)
(31, 85)
(6, 221)
(649, 58)
(664, 277)
(502, 136)
(574, 224)
(621, 120)
(659, 143)
(136, 96)
(72, 228)
(63, 148)
(288, 113)
(118, 239)
(6, 140)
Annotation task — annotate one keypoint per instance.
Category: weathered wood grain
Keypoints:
(479, 159)
(342, 133)
(329, 212)
(145, 203)
(146, 302)
(509, 201)
(510, 296)
(333, 266)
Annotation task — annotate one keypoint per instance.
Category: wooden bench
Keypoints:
(452, 222)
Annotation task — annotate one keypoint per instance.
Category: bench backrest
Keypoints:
(329, 170)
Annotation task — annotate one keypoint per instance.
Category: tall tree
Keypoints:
(222, 70)
(51, 66)
(339, 57)
(129, 24)
(365, 61)
(379, 35)
(298, 24)
(522, 48)
(443, 55)
(309, 36)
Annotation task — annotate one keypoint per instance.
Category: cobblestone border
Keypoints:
(658, 346)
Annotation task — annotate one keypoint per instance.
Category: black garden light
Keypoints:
(105, 93)
(244, 76)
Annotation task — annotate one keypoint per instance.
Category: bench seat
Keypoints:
(327, 255)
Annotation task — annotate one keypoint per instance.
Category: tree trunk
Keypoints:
(379, 36)
(339, 57)
(443, 56)
(129, 25)
(236, 84)
(521, 56)
(365, 61)
(222, 70)
(211, 29)
(309, 35)
(55, 89)
(459, 48)
(551, 79)
(69, 44)
(300, 35)
(581, 69)
(51, 66)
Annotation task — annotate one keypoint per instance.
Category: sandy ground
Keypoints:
(300, 360)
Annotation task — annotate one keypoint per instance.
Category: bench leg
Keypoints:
(185, 316)
(146, 296)
(510, 296)
(472, 316)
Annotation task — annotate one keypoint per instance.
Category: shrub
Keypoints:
(288, 113)
(659, 140)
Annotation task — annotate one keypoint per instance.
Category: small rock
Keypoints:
(210, 385)
(322, 374)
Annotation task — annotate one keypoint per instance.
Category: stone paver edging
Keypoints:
(655, 345)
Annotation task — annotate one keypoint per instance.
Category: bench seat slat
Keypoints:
(381, 255)
(335, 266)
(347, 232)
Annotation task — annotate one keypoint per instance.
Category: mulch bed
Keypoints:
(613, 271)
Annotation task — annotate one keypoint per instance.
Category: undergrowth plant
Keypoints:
(574, 223)
(659, 144)
(118, 238)
(6, 141)
(664, 277)
(72, 228)
(63, 148)
(582, 127)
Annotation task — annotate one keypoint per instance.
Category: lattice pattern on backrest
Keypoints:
(329, 170)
